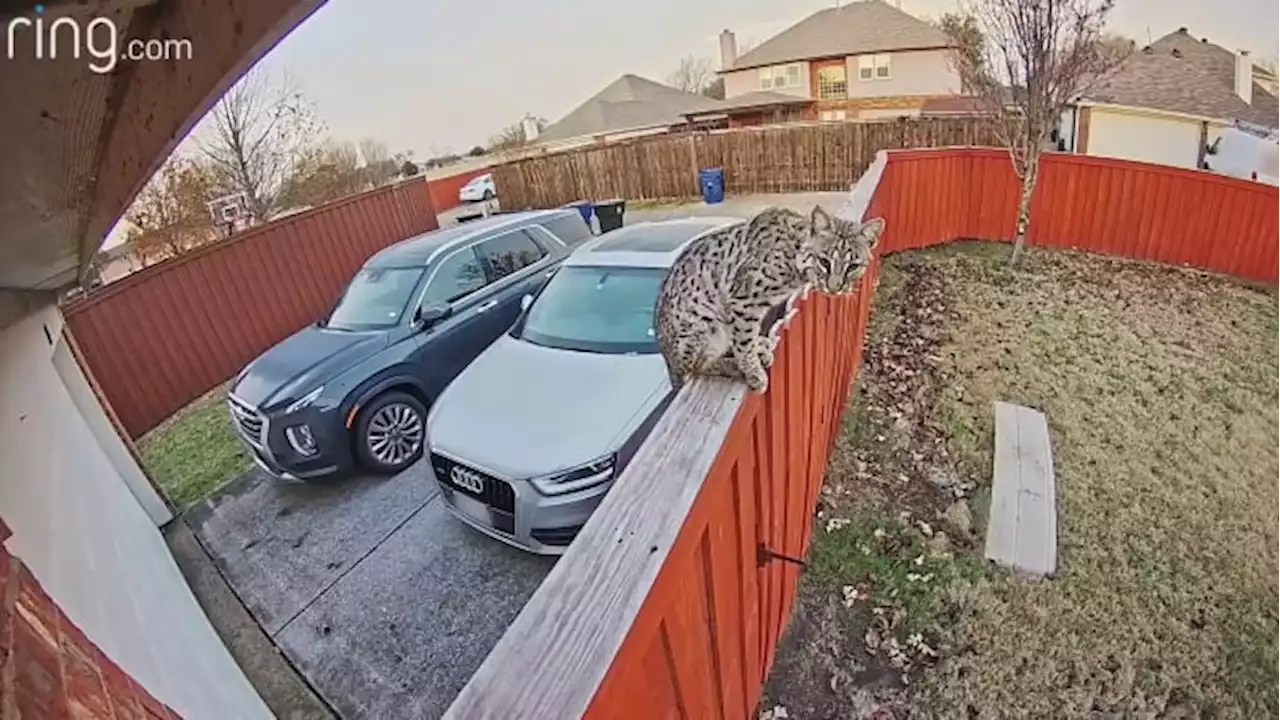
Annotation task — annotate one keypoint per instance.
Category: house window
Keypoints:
(873, 67)
(831, 116)
(831, 83)
(780, 76)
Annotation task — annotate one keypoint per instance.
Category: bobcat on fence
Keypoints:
(713, 303)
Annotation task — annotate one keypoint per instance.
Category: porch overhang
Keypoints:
(79, 145)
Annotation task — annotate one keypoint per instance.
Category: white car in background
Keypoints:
(478, 189)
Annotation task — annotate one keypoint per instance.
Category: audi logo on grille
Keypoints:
(467, 479)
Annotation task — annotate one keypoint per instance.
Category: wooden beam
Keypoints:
(569, 632)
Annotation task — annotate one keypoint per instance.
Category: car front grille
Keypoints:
(497, 494)
(247, 420)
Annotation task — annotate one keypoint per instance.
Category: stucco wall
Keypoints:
(90, 543)
(1147, 138)
(741, 82)
(916, 72)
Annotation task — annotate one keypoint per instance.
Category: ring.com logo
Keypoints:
(98, 38)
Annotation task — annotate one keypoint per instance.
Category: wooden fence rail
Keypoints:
(789, 158)
(159, 338)
(662, 608)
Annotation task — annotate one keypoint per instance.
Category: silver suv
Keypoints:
(528, 439)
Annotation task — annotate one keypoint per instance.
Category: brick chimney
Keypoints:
(1244, 76)
(728, 50)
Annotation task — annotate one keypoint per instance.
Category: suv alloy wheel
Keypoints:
(391, 433)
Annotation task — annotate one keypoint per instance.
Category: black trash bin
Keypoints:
(609, 214)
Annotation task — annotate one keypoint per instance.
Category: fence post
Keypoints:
(693, 163)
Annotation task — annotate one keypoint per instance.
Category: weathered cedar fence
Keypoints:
(788, 158)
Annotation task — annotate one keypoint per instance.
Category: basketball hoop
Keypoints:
(229, 212)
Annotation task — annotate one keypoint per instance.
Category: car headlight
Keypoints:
(301, 439)
(304, 401)
(584, 476)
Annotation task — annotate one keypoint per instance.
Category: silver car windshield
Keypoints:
(376, 298)
(595, 309)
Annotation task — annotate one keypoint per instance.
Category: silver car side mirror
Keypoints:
(525, 302)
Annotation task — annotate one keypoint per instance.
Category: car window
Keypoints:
(375, 298)
(571, 229)
(459, 275)
(509, 253)
(595, 309)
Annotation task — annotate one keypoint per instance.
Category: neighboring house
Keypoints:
(862, 60)
(1169, 103)
(629, 107)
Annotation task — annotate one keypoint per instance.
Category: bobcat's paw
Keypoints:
(757, 381)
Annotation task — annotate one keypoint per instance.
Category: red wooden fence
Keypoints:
(159, 338)
(702, 643)
(444, 190)
(1113, 207)
(648, 616)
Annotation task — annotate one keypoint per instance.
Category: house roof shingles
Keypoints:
(1198, 80)
(856, 28)
(628, 103)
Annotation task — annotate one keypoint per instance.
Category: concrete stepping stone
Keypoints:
(1022, 532)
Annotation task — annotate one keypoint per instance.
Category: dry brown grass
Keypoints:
(1160, 388)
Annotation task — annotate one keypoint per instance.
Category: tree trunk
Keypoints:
(1024, 212)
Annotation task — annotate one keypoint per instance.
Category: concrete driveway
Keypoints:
(381, 599)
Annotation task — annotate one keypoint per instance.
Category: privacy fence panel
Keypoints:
(156, 340)
(1103, 205)
(786, 158)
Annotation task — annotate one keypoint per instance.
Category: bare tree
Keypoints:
(323, 172)
(257, 133)
(693, 75)
(170, 215)
(1025, 61)
(513, 135)
(379, 166)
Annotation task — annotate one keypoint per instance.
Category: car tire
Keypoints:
(390, 433)
(488, 195)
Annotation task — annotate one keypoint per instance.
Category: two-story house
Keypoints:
(861, 60)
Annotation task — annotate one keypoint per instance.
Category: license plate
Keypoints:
(483, 514)
(471, 507)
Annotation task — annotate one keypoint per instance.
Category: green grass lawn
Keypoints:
(196, 451)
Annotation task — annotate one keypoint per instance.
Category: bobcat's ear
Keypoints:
(871, 231)
(820, 220)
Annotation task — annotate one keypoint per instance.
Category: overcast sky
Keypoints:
(432, 75)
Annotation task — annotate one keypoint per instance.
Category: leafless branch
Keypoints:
(1025, 61)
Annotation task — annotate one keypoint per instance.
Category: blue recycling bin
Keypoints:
(585, 207)
(711, 180)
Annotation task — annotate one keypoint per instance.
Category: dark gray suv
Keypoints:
(353, 389)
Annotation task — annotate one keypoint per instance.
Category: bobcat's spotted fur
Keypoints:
(713, 303)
